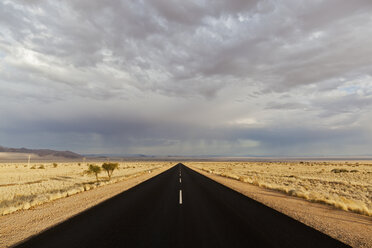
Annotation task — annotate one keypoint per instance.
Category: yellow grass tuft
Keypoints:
(334, 183)
(22, 188)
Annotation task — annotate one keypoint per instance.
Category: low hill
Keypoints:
(42, 152)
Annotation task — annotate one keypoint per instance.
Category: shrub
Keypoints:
(55, 165)
(41, 166)
(94, 169)
(339, 170)
(109, 168)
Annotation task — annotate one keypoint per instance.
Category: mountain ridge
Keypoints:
(42, 152)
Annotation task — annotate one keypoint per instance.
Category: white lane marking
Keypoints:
(180, 180)
(180, 196)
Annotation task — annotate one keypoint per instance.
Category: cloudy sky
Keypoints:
(196, 77)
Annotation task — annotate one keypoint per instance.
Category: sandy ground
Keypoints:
(346, 185)
(351, 228)
(20, 225)
(23, 186)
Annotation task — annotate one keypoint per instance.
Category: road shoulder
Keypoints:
(350, 228)
(20, 225)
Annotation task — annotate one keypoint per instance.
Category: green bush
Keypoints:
(339, 170)
(109, 168)
(94, 169)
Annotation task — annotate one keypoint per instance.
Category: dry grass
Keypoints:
(23, 186)
(344, 185)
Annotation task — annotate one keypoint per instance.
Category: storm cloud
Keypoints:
(175, 77)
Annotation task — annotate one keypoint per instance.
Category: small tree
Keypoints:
(94, 169)
(109, 168)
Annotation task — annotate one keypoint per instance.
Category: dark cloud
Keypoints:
(187, 77)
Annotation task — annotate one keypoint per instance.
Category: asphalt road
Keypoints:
(181, 208)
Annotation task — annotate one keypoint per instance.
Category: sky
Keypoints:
(196, 77)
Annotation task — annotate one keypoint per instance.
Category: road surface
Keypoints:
(181, 208)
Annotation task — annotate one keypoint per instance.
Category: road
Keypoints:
(181, 208)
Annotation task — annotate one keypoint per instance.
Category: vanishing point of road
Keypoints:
(181, 208)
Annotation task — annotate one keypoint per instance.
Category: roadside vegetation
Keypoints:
(109, 168)
(344, 185)
(94, 169)
(23, 186)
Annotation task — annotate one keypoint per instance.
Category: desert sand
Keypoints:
(22, 224)
(25, 185)
(349, 227)
(345, 185)
(333, 197)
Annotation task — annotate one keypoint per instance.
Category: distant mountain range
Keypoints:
(42, 152)
(107, 155)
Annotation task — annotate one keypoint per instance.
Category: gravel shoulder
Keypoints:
(350, 228)
(21, 225)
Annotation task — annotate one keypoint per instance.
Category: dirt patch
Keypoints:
(350, 228)
(20, 225)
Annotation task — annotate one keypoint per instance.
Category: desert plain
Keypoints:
(346, 185)
(331, 196)
(24, 185)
